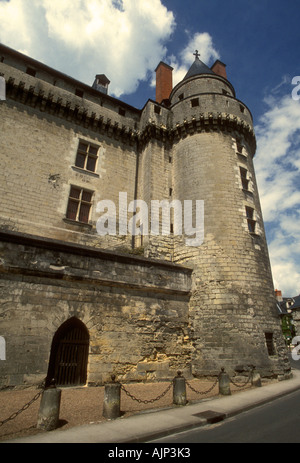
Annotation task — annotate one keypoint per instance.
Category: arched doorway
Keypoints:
(69, 354)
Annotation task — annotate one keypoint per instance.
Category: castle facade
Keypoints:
(91, 284)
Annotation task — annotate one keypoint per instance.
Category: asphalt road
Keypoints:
(276, 422)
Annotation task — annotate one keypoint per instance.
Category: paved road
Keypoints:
(276, 422)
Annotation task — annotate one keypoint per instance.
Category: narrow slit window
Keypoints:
(250, 219)
(244, 178)
(239, 147)
(270, 344)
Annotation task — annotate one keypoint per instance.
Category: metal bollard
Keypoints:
(179, 390)
(112, 400)
(255, 378)
(224, 383)
(48, 415)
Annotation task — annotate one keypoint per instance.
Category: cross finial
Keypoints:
(196, 54)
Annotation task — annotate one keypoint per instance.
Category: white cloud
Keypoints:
(277, 166)
(124, 39)
(204, 44)
(181, 64)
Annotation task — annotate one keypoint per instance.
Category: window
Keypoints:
(250, 219)
(239, 147)
(270, 343)
(195, 102)
(87, 156)
(79, 92)
(181, 96)
(122, 112)
(31, 71)
(157, 109)
(245, 181)
(79, 204)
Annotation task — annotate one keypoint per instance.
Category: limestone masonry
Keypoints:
(80, 306)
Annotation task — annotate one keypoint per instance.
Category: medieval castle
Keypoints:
(80, 305)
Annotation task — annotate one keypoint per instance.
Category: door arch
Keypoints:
(69, 354)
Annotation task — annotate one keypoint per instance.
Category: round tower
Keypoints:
(234, 320)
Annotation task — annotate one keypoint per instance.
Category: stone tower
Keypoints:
(233, 316)
(143, 305)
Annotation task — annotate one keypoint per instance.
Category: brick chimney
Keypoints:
(164, 82)
(219, 68)
(278, 295)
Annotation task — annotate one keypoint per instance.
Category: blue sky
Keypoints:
(258, 40)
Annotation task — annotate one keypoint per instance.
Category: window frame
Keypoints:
(195, 102)
(87, 156)
(252, 223)
(244, 178)
(269, 338)
(80, 202)
(239, 148)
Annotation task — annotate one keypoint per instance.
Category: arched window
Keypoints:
(69, 354)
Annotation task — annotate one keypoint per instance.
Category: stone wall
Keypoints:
(39, 169)
(142, 322)
(135, 310)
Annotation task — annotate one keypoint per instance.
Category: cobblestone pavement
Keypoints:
(83, 405)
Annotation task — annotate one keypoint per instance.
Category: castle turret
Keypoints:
(87, 178)
(233, 309)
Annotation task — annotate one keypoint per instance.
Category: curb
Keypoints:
(207, 421)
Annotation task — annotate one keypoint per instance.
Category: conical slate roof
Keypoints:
(198, 67)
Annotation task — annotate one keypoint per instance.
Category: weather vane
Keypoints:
(196, 54)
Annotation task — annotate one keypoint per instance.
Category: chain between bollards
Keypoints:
(112, 393)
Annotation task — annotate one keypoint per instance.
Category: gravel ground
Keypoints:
(83, 405)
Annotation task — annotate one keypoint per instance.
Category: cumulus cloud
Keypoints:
(202, 42)
(124, 39)
(277, 166)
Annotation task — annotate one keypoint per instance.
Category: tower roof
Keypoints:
(198, 67)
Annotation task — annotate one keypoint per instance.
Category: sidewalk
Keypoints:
(150, 425)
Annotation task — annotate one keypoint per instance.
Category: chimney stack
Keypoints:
(219, 68)
(164, 82)
(278, 295)
(101, 83)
